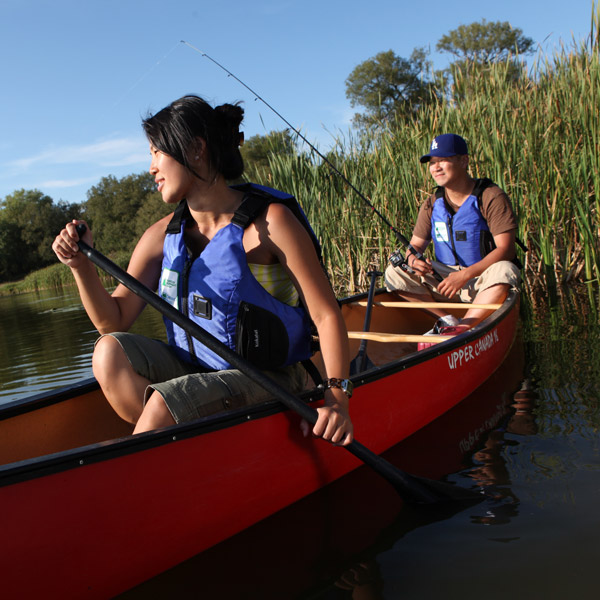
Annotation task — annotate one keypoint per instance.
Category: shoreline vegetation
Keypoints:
(537, 136)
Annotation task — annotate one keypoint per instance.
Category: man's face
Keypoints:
(447, 170)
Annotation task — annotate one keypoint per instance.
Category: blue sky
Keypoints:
(78, 75)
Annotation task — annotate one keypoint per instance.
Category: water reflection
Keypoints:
(46, 341)
(362, 582)
(491, 471)
(330, 545)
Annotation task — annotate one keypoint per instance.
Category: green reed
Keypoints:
(538, 137)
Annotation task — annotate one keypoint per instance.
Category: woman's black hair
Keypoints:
(176, 128)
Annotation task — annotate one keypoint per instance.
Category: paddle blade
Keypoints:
(448, 492)
(414, 489)
(360, 364)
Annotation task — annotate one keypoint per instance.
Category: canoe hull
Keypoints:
(95, 521)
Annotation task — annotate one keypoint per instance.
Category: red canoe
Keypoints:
(88, 511)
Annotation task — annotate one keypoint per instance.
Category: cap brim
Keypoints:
(428, 157)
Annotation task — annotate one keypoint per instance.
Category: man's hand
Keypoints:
(453, 283)
(420, 267)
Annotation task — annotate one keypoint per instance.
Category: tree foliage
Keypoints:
(119, 209)
(478, 46)
(485, 42)
(257, 150)
(29, 222)
(388, 85)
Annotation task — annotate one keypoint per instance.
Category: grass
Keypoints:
(56, 276)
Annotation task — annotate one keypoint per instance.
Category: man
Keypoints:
(462, 227)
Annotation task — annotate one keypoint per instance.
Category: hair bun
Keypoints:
(232, 113)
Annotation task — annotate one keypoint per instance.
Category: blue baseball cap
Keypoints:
(447, 144)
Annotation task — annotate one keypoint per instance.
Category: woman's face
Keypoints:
(172, 179)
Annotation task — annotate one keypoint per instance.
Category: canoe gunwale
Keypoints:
(456, 341)
(12, 473)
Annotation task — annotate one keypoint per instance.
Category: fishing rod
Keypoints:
(398, 235)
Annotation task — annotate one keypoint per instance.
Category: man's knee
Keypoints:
(397, 280)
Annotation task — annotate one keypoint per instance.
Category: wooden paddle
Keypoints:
(413, 489)
(414, 304)
(397, 337)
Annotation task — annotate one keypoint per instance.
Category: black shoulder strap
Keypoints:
(251, 207)
(255, 202)
(181, 212)
(480, 185)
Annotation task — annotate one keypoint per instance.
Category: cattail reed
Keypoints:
(535, 131)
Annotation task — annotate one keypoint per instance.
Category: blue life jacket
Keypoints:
(462, 237)
(218, 291)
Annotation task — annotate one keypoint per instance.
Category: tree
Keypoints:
(479, 46)
(485, 42)
(388, 86)
(257, 150)
(112, 208)
(10, 251)
(152, 209)
(29, 222)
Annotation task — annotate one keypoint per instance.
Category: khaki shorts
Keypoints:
(191, 392)
(503, 272)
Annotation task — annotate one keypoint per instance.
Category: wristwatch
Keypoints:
(343, 384)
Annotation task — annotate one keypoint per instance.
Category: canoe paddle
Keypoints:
(414, 489)
(362, 362)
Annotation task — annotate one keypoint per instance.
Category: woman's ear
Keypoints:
(198, 149)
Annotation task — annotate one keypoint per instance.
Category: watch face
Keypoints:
(343, 384)
(347, 386)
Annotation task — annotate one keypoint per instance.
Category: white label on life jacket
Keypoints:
(440, 231)
(169, 286)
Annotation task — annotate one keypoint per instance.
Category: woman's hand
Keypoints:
(333, 422)
(65, 244)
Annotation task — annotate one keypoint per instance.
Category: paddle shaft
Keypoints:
(362, 350)
(413, 489)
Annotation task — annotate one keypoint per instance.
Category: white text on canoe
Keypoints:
(458, 358)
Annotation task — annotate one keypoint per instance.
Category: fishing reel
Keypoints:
(398, 260)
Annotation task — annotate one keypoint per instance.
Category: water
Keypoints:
(47, 340)
(529, 436)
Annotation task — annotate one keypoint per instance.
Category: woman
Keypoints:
(195, 151)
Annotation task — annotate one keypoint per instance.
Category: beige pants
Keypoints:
(503, 272)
